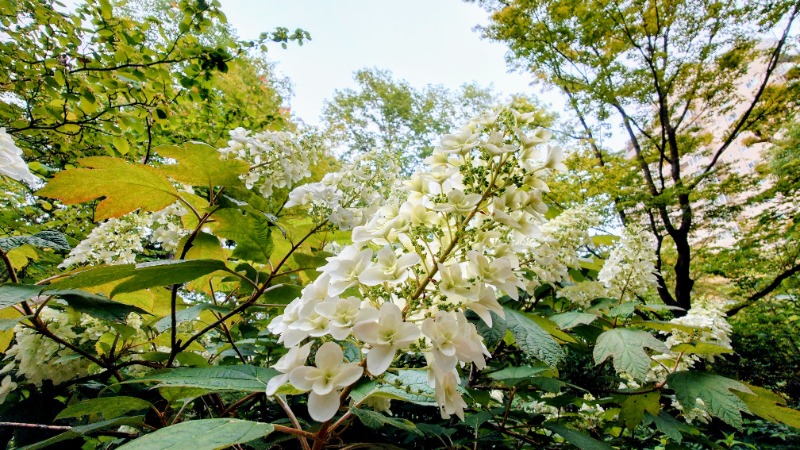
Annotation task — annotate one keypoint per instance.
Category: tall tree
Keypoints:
(97, 81)
(386, 114)
(667, 70)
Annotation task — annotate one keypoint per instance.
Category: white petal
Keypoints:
(276, 382)
(323, 407)
(380, 358)
(367, 331)
(372, 276)
(348, 374)
(303, 377)
(329, 355)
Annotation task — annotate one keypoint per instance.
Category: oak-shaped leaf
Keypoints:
(769, 405)
(716, 393)
(626, 347)
(532, 339)
(199, 164)
(125, 187)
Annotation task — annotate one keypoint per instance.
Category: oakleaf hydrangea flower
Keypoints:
(385, 336)
(11, 163)
(325, 380)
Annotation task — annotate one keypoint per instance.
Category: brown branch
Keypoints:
(766, 290)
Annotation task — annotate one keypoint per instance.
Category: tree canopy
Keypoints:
(670, 73)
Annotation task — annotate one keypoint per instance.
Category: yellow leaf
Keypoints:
(20, 256)
(124, 187)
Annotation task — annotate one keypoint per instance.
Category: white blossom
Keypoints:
(11, 163)
(385, 336)
(325, 380)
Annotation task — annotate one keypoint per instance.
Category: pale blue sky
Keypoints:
(421, 41)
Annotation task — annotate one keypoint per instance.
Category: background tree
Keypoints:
(386, 114)
(665, 70)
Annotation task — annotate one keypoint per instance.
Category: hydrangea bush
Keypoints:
(226, 299)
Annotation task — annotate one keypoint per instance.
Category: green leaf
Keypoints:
(199, 164)
(568, 320)
(204, 246)
(701, 348)
(250, 232)
(240, 378)
(491, 335)
(96, 305)
(604, 239)
(376, 421)
(627, 348)
(633, 408)
(141, 276)
(125, 187)
(408, 385)
(281, 294)
(43, 239)
(715, 392)
(11, 294)
(666, 424)
(515, 375)
(203, 434)
(187, 314)
(533, 339)
(578, 439)
(108, 407)
(83, 430)
(623, 310)
(770, 406)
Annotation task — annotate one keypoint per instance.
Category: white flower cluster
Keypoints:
(709, 326)
(11, 163)
(118, 241)
(36, 358)
(39, 358)
(349, 197)
(630, 268)
(416, 266)
(278, 159)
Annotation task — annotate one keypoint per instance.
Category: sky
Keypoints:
(420, 41)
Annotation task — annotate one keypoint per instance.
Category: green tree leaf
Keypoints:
(11, 294)
(240, 378)
(571, 319)
(203, 434)
(141, 276)
(633, 408)
(250, 232)
(578, 439)
(533, 339)
(108, 407)
(491, 335)
(96, 305)
(125, 187)
(408, 385)
(376, 421)
(770, 406)
(627, 348)
(715, 392)
(199, 164)
(43, 239)
(83, 430)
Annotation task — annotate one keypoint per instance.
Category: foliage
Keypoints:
(230, 297)
(675, 75)
(390, 115)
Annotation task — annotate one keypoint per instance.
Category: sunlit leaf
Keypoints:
(199, 164)
(202, 434)
(626, 347)
(124, 187)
